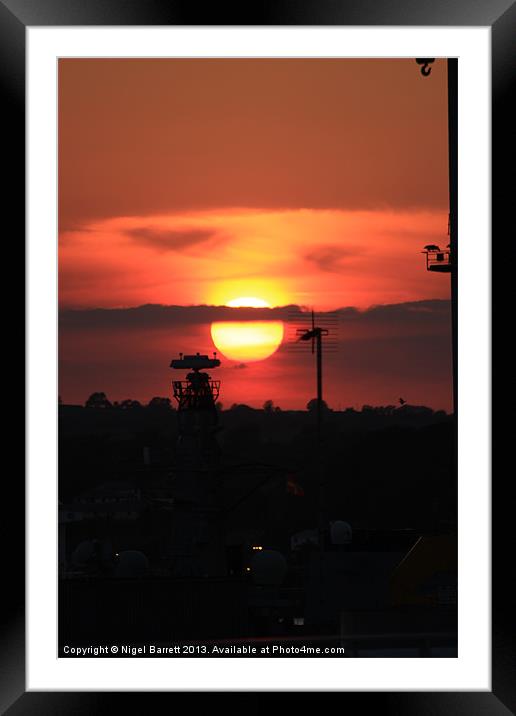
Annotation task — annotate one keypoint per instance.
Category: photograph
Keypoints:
(260, 399)
(257, 357)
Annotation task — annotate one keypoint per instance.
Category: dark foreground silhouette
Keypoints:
(144, 560)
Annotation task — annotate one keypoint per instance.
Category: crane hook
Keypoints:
(425, 63)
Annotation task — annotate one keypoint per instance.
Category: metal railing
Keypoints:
(438, 260)
(203, 395)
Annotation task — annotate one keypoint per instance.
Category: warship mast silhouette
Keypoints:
(196, 547)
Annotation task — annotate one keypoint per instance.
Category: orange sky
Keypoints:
(189, 182)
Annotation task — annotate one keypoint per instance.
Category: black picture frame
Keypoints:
(500, 16)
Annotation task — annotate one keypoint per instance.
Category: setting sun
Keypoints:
(248, 302)
(247, 340)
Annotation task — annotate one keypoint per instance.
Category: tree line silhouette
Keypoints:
(99, 400)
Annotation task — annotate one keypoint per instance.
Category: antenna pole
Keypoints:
(319, 386)
(315, 336)
(320, 455)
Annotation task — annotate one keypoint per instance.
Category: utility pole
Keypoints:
(315, 335)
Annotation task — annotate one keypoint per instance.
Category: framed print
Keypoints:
(258, 356)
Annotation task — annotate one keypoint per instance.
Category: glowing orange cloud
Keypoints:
(320, 258)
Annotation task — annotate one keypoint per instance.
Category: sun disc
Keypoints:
(247, 302)
(247, 340)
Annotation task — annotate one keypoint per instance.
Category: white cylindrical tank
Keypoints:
(340, 532)
(131, 563)
(268, 567)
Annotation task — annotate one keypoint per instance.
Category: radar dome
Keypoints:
(131, 564)
(340, 532)
(268, 567)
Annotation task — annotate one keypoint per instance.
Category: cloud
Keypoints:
(78, 228)
(155, 316)
(172, 240)
(332, 258)
(211, 257)
(416, 313)
(413, 312)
